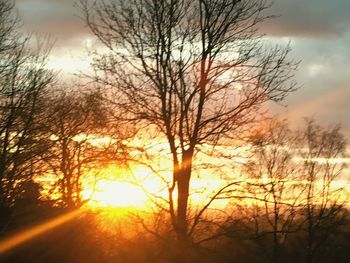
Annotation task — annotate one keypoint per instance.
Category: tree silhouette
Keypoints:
(75, 122)
(23, 81)
(294, 192)
(323, 203)
(193, 71)
(275, 183)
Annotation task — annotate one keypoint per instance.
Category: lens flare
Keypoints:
(29, 234)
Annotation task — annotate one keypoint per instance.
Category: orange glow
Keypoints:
(120, 188)
(124, 190)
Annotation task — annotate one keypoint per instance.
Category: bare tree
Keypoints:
(275, 183)
(8, 29)
(23, 81)
(77, 122)
(195, 71)
(321, 153)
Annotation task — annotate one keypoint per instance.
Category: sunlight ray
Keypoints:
(31, 233)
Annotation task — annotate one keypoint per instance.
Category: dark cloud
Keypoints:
(57, 18)
(309, 18)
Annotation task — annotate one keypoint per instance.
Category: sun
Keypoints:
(116, 187)
(118, 194)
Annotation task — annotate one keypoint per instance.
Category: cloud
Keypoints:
(324, 76)
(57, 18)
(310, 18)
(319, 31)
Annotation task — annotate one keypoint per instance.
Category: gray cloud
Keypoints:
(309, 18)
(324, 75)
(57, 18)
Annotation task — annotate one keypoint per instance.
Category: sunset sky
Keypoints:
(318, 30)
(158, 150)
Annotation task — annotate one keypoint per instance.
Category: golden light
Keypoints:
(123, 190)
(133, 190)
(118, 194)
(120, 188)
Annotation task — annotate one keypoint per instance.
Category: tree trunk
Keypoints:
(182, 203)
(183, 249)
(183, 186)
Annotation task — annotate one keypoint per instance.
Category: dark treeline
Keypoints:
(196, 75)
